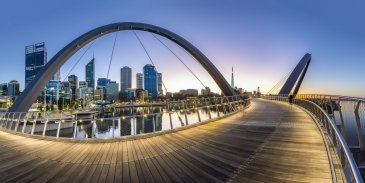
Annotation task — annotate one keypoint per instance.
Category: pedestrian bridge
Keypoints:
(267, 142)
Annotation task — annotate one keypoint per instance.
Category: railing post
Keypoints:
(171, 120)
(59, 129)
(359, 129)
(217, 108)
(186, 117)
(33, 126)
(24, 125)
(154, 122)
(45, 128)
(343, 128)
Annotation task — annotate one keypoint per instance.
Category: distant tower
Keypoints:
(90, 73)
(159, 84)
(125, 78)
(74, 85)
(232, 79)
(150, 80)
(139, 79)
(35, 60)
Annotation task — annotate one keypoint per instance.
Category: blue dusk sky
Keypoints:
(262, 40)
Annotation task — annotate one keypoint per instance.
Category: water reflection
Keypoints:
(118, 127)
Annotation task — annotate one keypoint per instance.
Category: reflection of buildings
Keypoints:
(125, 127)
(148, 124)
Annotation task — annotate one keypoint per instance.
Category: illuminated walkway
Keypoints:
(268, 142)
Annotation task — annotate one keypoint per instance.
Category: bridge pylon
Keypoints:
(294, 81)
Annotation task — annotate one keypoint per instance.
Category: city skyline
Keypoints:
(262, 45)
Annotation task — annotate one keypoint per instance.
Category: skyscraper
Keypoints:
(125, 78)
(3, 89)
(53, 91)
(150, 80)
(111, 91)
(90, 74)
(13, 88)
(35, 59)
(57, 76)
(74, 84)
(159, 84)
(139, 79)
(102, 82)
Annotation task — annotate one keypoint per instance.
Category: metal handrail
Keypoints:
(333, 132)
(31, 119)
(356, 176)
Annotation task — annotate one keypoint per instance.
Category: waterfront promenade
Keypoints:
(267, 142)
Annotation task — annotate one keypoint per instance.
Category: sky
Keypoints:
(262, 40)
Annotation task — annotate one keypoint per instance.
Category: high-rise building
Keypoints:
(35, 59)
(13, 88)
(83, 84)
(57, 76)
(99, 93)
(53, 91)
(90, 74)
(139, 79)
(102, 82)
(112, 91)
(3, 89)
(159, 84)
(125, 78)
(66, 92)
(150, 80)
(74, 84)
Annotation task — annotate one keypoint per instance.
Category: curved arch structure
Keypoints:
(29, 95)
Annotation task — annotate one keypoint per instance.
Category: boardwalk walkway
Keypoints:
(268, 142)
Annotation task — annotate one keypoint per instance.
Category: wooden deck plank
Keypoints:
(262, 144)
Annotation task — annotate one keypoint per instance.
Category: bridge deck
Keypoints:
(268, 142)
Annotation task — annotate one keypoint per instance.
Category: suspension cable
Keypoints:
(145, 50)
(73, 67)
(179, 59)
(111, 57)
(280, 82)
